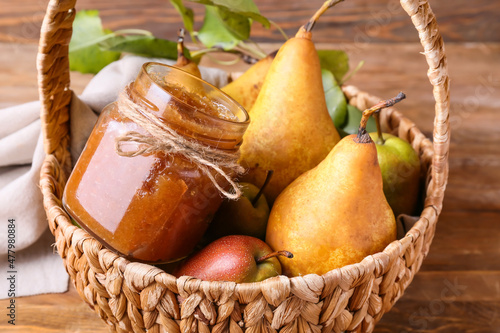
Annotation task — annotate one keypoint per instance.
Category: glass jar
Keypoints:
(156, 206)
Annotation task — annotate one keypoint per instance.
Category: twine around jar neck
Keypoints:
(165, 139)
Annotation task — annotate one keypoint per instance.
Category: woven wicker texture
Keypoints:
(134, 297)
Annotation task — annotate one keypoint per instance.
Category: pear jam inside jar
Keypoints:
(154, 206)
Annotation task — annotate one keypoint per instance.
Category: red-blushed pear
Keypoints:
(335, 214)
(290, 130)
(234, 258)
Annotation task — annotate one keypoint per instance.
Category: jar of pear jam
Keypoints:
(156, 206)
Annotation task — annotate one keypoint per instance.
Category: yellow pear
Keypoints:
(246, 88)
(290, 130)
(335, 214)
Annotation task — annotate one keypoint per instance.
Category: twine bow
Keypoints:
(163, 138)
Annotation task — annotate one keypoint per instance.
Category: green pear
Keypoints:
(76, 224)
(247, 215)
(234, 258)
(400, 168)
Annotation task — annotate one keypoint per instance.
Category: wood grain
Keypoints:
(441, 317)
(469, 242)
(458, 288)
(375, 21)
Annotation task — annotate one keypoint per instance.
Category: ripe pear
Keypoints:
(247, 215)
(246, 88)
(400, 168)
(335, 214)
(291, 130)
(233, 258)
(241, 216)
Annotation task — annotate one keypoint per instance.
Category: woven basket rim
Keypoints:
(394, 267)
(359, 266)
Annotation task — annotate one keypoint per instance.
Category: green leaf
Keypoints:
(214, 33)
(335, 99)
(353, 119)
(187, 14)
(236, 24)
(336, 61)
(84, 54)
(245, 8)
(146, 46)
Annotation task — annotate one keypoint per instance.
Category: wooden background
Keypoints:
(458, 287)
(373, 21)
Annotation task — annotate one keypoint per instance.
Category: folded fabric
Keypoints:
(38, 269)
(108, 83)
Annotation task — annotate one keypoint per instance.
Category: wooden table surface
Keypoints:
(458, 287)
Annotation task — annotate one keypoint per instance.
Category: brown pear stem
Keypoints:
(181, 59)
(309, 25)
(363, 136)
(380, 135)
(283, 253)
(268, 178)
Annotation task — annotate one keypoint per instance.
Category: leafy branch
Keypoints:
(226, 28)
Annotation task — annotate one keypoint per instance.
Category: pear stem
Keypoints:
(363, 136)
(327, 4)
(181, 59)
(268, 178)
(380, 139)
(283, 253)
(180, 43)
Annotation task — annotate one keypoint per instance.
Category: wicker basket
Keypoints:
(134, 297)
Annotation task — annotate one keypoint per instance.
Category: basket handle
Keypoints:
(53, 76)
(425, 22)
(55, 93)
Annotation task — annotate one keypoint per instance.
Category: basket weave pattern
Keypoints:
(134, 297)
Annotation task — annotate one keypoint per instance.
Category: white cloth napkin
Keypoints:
(36, 267)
